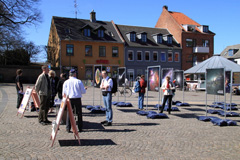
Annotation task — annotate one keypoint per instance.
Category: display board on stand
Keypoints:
(55, 125)
(178, 78)
(28, 94)
(215, 84)
(97, 75)
(122, 79)
(153, 82)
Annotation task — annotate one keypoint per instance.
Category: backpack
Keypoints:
(137, 87)
(115, 87)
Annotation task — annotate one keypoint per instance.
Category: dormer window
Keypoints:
(133, 37)
(87, 32)
(159, 39)
(100, 33)
(169, 39)
(205, 29)
(144, 37)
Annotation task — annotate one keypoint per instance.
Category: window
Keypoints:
(189, 42)
(169, 39)
(102, 51)
(231, 52)
(144, 38)
(100, 33)
(139, 56)
(155, 56)
(159, 39)
(114, 51)
(88, 50)
(87, 32)
(205, 43)
(130, 56)
(70, 49)
(170, 57)
(163, 57)
(205, 28)
(132, 37)
(176, 57)
(147, 56)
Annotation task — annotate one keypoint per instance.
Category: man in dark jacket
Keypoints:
(142, 92)
(19, 87)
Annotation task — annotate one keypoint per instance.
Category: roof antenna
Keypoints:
(75, 6)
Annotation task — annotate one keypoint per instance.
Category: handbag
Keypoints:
(104, 93)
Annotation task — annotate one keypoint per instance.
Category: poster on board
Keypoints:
(167, 72)
(215, 81)
(121, 76)
(178, 78)
(153, 78)
(227, 81)
(25, 101)
(97, 76)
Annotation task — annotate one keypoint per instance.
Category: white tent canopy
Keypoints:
(214, 62)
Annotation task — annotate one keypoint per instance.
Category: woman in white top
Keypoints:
(167, 88)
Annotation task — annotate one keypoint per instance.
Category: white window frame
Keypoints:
(141, 56)
(132, 55)
(178, 56)
(153, 56)
(165, 56)
(148, 56)
(172, 56)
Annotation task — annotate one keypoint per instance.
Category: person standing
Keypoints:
(19, 87)
(74, 88)
(106, 86)
(167, 88)
(54, 82)
(43, 88)
(141, 92)
(60, 84)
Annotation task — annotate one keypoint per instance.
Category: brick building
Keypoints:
(196, 40)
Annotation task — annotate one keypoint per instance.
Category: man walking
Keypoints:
(141, 92)
(19, 87)
(43, 88)
(74, 88)
(106, 86)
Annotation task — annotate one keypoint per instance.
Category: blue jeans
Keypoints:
(140, 100)
(107, 100)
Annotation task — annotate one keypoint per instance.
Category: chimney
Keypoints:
(165, 7)
(93, 16)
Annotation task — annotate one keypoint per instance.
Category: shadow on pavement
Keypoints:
(135, 124)
(128, 110)
(86, 142)
(186, 115)
(195, 109)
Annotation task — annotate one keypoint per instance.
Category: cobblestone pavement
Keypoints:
(180, 137)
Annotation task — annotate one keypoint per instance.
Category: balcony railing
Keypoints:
(200, 49)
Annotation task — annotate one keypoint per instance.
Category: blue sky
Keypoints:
(222, 16)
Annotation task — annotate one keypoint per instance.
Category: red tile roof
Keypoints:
(183, 19)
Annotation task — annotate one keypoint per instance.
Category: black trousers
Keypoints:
(44, 107)
(169, 97)
(19, 99)
(76, 104)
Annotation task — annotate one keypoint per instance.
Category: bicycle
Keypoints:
(124, 91)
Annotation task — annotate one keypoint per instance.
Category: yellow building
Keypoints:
(83, 44)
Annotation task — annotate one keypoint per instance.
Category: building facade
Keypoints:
(145, 47)
(81, 44)
(232, 53)
(196, 40)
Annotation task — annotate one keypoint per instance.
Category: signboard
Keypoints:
(121, 76)
(178, 78)
(55, 124)
(25, 101)
(215, 81)
(97, 75)
(153, 78)
(228, 81)
(167, 72)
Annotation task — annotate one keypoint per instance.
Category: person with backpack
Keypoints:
(142, 86)
(106, 87)
(167, 88)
